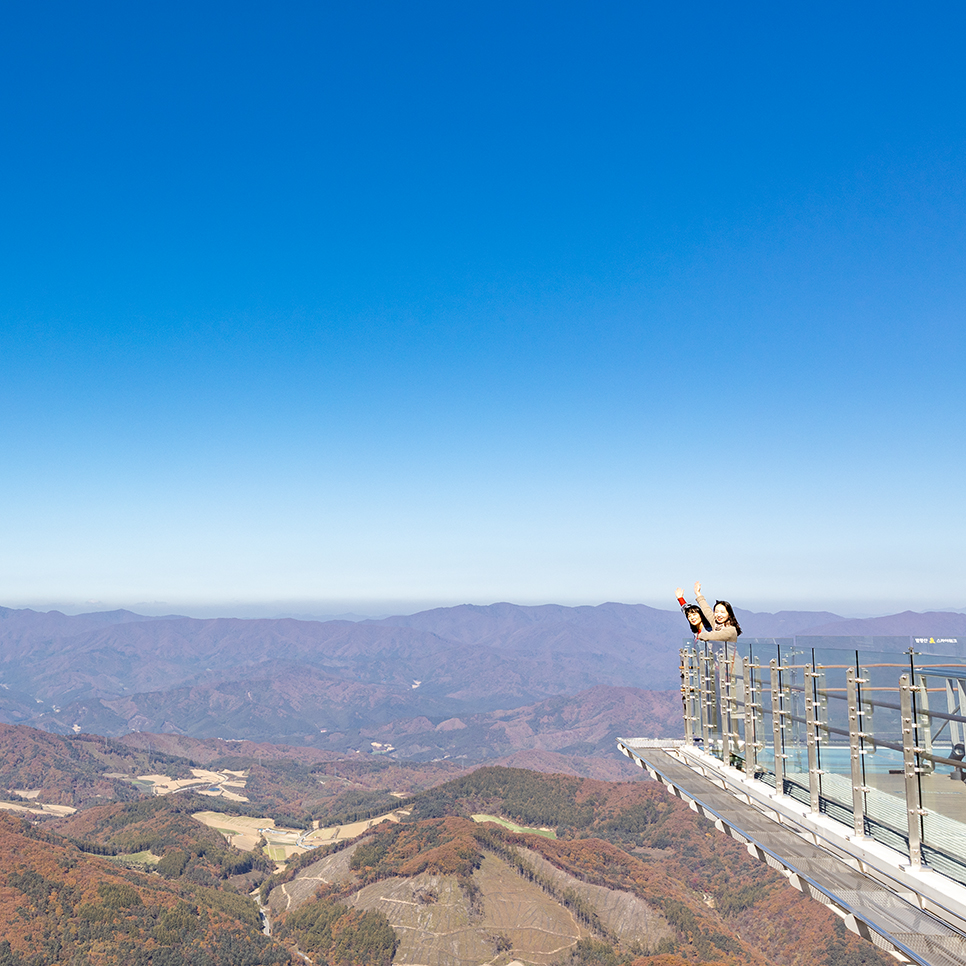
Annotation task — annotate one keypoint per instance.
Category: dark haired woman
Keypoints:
(692, 612)
(725, 624)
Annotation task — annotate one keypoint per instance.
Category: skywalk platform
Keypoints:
(913, 912)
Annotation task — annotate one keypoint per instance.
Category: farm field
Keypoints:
(37, 808)
(217, 784)
(548, 833)
(244, 831)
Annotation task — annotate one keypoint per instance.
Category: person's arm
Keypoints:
(679, 593)
(703, 604)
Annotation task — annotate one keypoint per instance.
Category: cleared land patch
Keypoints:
(146, 858)
(244, 831)
(329, 869)
(548, 833)
(39, 808)
(437, 927)
(336, 833)
(223, 784)
(622, 913)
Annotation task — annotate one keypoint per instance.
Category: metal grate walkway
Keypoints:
(890, 919)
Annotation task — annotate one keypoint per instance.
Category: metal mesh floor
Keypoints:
(890, 920)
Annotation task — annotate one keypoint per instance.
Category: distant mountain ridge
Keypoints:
(909, 623)
(321, 683)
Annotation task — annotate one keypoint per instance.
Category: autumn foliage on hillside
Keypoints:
(634, 836)
(165, 828)
(335, 934)
(447, 846)
(58, 905)
(723, 905)
(74, 770)
(57, 895)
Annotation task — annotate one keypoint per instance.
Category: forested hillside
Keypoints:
(59, 905)
(701, 898)
(76, 770)
(619, 872)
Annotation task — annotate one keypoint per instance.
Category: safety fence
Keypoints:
(875, 739)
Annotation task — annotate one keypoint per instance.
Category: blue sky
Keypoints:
(368, 307)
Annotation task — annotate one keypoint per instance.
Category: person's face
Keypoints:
(694, 618)
(720, 613)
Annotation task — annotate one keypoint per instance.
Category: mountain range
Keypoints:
(470, 681)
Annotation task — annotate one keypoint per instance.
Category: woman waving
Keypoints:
(722, 618)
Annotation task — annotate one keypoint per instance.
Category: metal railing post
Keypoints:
(914, 810)
(811, 736)
(705, 701)
(687, 693)
(855, 748)
(778, 725)
(751, 750)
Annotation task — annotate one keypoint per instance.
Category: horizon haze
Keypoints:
(360, 610)
(324, 611)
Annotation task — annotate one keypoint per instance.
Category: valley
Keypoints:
(494, 865)
(484, 817)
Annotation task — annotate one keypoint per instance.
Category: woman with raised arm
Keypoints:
(725, 624)
(692, 612)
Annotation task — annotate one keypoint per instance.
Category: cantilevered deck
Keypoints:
(840, 768)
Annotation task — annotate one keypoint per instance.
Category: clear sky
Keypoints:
(370, 306)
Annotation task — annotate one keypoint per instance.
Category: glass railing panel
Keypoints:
(883, 772)
(710, 667)
(727, 658)
(940, 702)
(742, 725)
(761, 654)
(690, 694)
(832, 720)
(856, 642)
(794, 662)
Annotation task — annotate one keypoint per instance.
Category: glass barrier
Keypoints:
(709, 674)
(730, 674)
(938, 699)
(769, 722)
(834, 737)
(864, 729)
(883, 767)
(689, 693)
(796, 695)
(743, 752)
